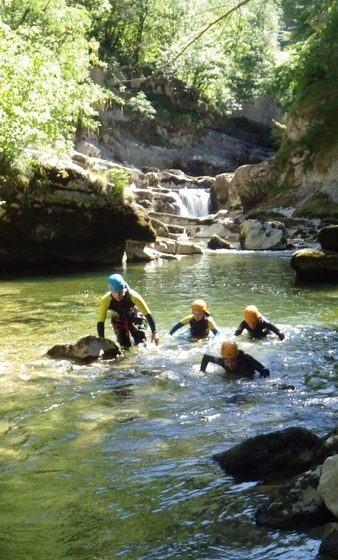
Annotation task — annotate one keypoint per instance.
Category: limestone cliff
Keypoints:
(64, 215)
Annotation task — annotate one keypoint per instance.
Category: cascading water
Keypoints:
(195, 202)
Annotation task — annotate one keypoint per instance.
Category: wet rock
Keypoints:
(295, 505)
(216, 242)
(329, 545)
(284, 452)
(314, 264)
(328, 237)
(256, 235)
(87, 349)
(328, 484)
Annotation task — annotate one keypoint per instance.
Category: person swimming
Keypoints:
(199, 321)
(235, 361)
(257, 325)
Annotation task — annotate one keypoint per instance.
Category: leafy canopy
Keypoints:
(45, 84)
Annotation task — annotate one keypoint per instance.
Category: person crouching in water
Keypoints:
(199, 321)
(256, 324)
(235, 361)
(129, 311)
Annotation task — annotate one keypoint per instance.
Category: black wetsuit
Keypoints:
(245, 367)
(262, 328)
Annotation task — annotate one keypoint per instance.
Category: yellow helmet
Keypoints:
(251, 314)
(229, 350)
(200, 305)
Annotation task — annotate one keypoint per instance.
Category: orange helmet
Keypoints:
(251, 315)
(229, 350)
(200, 305)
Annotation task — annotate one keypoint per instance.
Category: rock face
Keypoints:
(66, 216)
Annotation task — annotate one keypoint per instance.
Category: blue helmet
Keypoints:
(116, 283)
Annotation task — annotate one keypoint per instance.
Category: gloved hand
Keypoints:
(265, 373)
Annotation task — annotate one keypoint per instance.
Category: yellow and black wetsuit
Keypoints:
(198, 329)
(128, 317)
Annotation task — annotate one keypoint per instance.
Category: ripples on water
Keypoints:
(113, 460)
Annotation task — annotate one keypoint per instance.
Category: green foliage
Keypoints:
(114, 182)
(141, 105)
(45, 84)
(307, 83)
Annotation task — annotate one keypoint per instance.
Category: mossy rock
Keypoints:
(315, 265)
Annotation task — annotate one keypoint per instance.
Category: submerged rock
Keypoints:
(87, 349)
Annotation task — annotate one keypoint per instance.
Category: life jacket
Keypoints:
(199, 329)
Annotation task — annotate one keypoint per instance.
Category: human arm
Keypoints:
(154, 333)
(208, 358)
(255, 365)
(175, 327)
(144, 309)
(212, 326)
(241, 328)
(102, 314)
(180, 324)
(275, 330)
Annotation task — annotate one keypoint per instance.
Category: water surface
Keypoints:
(113, 460)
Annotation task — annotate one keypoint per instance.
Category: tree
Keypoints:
(45, 84)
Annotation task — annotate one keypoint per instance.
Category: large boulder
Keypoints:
(296, 504)
(314, 264)
(328, 484)
(328, 237)
(87, 349)
(286, 451)
(256, 235)
(248, 186)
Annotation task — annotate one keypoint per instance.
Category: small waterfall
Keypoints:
(195, 202)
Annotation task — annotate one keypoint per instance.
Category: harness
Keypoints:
(127, 314)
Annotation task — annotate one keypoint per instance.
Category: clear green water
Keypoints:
(113, 460)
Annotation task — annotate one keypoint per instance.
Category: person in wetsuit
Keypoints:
(257, 325)
(199, 321)
(235, 361)
(129, 311)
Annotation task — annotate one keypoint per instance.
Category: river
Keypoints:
(113, 460)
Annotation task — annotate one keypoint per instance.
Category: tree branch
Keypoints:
(191, 42)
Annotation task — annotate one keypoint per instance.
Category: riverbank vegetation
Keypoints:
(213, 59)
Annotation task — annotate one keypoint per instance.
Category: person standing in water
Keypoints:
(235, 361)
(256, 324)
(129, 311)
(199, 321)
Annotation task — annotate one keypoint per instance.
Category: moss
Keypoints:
(319, 206)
